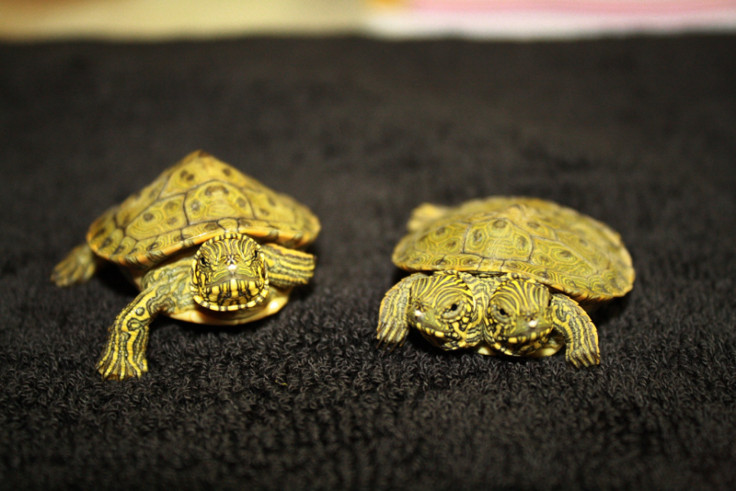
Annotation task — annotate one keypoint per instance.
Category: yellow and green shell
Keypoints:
(196, 199)
(552, 244)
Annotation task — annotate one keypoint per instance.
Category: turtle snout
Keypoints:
(231, 264)
(418, 311)
(529, 323)
(423, 315)
(526, 328)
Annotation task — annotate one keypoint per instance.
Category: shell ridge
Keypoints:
(532, 249)
(465, 239)
(554, 244)
(187, 218)
(168, 175)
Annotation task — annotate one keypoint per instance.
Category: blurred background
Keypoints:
(165, 19)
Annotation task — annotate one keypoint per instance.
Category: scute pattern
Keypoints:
(552, 244)
(191, 202)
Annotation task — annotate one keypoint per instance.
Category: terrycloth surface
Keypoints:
(638, 133)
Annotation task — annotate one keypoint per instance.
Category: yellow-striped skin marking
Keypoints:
(518, 314)
(442, 308)
(505, 313)
(526, 319)
(124, 353)
(229, 273)
(172, 289)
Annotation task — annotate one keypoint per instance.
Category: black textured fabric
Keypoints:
(639, 133)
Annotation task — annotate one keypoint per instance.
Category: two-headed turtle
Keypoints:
(205, 244)
(505, 275)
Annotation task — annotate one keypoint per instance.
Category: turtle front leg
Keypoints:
(124, 355)
(581, 336)
(77, 267)
(393, 326)
(288, 267)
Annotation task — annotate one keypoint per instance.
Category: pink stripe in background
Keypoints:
(551, 18)
(571, 6)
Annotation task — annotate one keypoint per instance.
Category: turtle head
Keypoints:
(443, 308)
(519, 316)
(229, 273)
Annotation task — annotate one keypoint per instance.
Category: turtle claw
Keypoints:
(583, 358)
(117, 363)
(391, 335)
(121, 369)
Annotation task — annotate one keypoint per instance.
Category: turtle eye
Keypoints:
(452, 310)
(204, 262)
(501, 313)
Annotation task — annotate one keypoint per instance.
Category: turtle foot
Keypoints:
(115, 367)
(125, 353)
(77, 267)
(423, 214)
(583, 358)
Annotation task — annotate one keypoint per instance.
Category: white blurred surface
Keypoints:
(548, 18)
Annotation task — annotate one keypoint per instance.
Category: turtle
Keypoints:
(204, 243)
(508, 275)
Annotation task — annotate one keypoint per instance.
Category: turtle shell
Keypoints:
(196, 199)
(549, 243)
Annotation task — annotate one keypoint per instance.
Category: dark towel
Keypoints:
(639, 133)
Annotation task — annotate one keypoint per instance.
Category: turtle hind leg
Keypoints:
(581, 336)
(77, 267)
(423, 214)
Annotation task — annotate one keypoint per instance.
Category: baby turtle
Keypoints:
(505, 275)
(204, 243)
